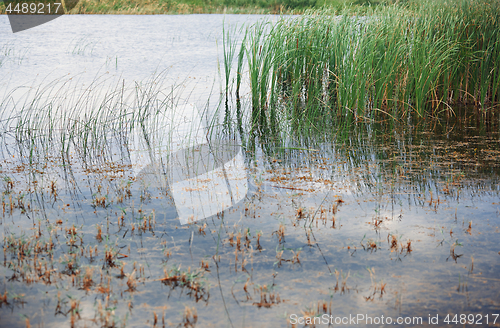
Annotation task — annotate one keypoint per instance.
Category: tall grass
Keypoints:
(229, 47)
(53, 120)
(418, 59)
(10, 53)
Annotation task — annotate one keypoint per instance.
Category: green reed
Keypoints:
(51, 120)
(384, 62)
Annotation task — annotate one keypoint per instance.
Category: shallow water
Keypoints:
(403, 223)
(120, 47)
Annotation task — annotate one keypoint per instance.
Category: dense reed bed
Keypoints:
(404, 60)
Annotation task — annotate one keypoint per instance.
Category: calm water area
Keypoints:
(400, 222)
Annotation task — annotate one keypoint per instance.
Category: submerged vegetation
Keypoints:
(406, 60)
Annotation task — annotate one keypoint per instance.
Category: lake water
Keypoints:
(123, 47)
(402, 223)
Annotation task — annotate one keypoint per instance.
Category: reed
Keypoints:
(419, 59)
(58, 118)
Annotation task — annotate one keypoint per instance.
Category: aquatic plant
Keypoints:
(415, 59)
(193, 281)
(37, 124)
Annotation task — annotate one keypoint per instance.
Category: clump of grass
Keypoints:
(407, 247)
(396, 246)
(393, 243)
(71, 264)
(148, 222)
(190, 317)
(99, 233)
(105, 314)
(9, 52)
(205, 265)
(53, 190)
(131, 281)
(378, 287)
(74, 311)
(370, 245)
(3, 298)
(259, 234)
(193, 281)
(313, 314)
(87, 279)
(100, 201)
(295, 256)
(280, 233)
(300, 213)
(343, 287)
(268, 297)
(73, 236)
(110, 257)
(9, 184)
(388, 62)
(454, 255)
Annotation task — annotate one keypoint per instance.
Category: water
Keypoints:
(121, 46)
(400, 223)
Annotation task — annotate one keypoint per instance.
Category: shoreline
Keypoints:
(182, 7)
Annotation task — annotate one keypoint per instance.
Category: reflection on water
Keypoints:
(403, 226)
(402, 222)
(203, 174)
